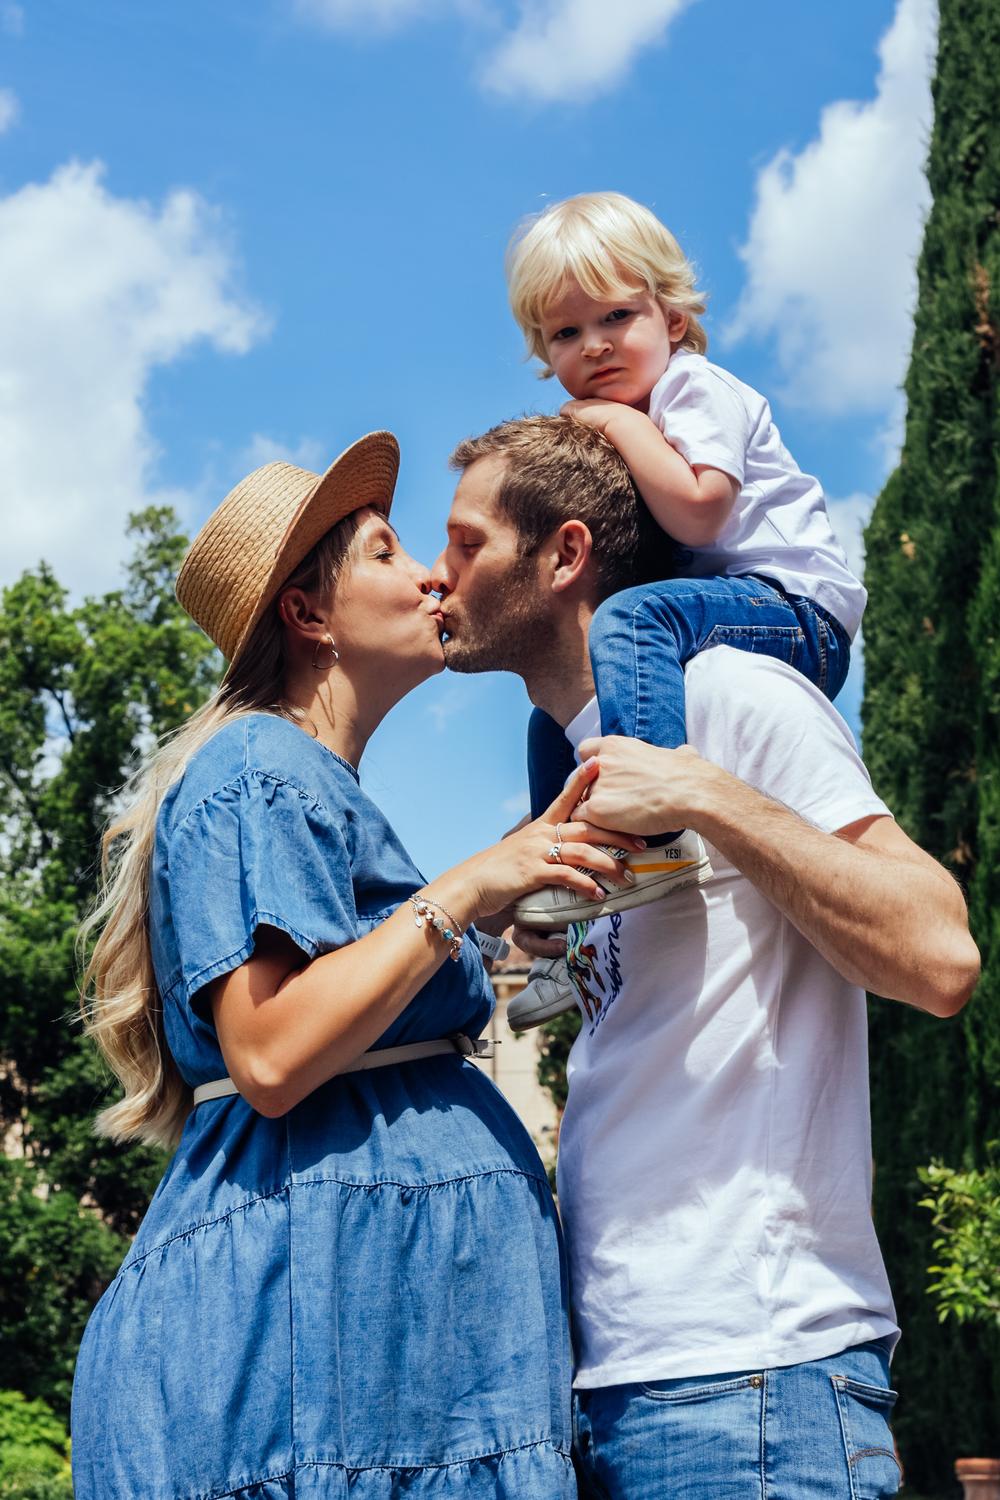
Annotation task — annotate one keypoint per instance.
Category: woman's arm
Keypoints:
(691, 504)
(287, 1024)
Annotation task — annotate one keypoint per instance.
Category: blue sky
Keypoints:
(236, 232)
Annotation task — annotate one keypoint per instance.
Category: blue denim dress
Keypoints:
(367, 1297)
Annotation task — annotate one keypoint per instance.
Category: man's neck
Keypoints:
(561, 681)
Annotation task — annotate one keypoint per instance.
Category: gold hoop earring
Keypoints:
(324, 666)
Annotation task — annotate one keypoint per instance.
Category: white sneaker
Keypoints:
(658, 872)
(548, 993)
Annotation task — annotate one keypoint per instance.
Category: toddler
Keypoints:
(607, 300)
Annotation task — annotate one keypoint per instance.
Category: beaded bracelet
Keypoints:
(422, 907)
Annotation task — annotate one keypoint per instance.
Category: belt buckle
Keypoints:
(474, 1048)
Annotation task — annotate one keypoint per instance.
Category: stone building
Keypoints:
(514, 1065)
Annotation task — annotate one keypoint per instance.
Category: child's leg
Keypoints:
(641, 638)
(550, 761)
(825, 652)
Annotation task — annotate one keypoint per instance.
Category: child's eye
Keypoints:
(385, 552)
(619, 315)
(568, 332)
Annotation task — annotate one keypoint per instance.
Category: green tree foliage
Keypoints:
(966, 1218)
(930, 725)
(84, 688)
(56, 1259)
(34, 1451)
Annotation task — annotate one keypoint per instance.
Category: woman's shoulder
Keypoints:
(260, 752)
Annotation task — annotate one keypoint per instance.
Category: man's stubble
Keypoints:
(503, 628)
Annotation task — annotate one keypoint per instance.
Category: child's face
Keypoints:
(613, 351)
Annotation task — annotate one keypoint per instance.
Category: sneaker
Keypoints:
(548, 993)
(658, 872)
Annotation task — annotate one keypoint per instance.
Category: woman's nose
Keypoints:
(442, 578)
(420, 575)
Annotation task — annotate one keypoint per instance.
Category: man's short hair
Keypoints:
(559, 469)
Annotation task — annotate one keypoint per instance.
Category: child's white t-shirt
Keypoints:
(779, 526)
(715, 1151)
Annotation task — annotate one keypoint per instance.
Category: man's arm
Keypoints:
(884, 914)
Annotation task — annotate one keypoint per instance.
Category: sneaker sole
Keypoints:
(528, 1020)
(622, 899)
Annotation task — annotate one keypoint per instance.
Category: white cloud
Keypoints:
(849, 517)
(835, 233)
(12, 19)
(369, 15)
(559, 50)
(96, 292)
(572, 49)
(307, 453)
(10, 109)
(448, 700)
(518, 805)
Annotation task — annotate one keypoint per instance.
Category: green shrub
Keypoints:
(34, 1451)
(966, 1215)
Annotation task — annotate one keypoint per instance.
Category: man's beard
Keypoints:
(506, 629)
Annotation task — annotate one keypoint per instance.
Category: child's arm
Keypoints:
(691, 504)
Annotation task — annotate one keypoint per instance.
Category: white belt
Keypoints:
(460, 1046)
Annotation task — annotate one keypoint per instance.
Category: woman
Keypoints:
(349, 1280)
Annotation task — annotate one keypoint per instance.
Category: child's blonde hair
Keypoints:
(608, 245)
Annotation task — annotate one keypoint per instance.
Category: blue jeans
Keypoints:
(641, 638)
(815, 1431)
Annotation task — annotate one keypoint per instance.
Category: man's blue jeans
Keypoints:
(641, 638)
(815, 1431)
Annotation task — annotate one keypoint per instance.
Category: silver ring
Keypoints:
(554, 855)
(559, 836)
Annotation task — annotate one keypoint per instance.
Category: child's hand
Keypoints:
(593, 411)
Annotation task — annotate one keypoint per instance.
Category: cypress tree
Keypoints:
(932, 651)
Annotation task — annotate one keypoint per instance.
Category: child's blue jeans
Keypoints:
(641, 639)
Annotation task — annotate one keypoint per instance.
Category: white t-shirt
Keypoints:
(779, 525)
(715, 1154)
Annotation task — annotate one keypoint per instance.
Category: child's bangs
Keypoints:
(596, 274)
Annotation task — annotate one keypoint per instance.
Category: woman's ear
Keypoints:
(573, 548)
(297, 610)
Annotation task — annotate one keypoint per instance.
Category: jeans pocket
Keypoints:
(679, 1391)
(864, 1421)
(779, 641)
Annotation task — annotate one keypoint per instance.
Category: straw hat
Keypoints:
(264, 528)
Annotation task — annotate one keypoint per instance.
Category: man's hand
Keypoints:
(538, 944)
(642, 786)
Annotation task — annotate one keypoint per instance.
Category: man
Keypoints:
(732, 1317)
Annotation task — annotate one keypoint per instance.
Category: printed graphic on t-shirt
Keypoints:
(593, 957)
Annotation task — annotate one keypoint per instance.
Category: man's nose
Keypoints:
(442, 577)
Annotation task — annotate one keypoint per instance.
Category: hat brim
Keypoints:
(364, 475)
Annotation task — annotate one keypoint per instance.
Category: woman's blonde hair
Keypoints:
(121, 1004)
(608, 245)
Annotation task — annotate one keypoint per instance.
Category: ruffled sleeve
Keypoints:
(261, 850)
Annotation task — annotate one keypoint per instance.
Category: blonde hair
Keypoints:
(608, 245)
(121, 1005)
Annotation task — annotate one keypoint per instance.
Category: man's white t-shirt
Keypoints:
(715, 1153)
(779, 526)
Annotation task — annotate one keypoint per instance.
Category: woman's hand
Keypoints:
(520, 862)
